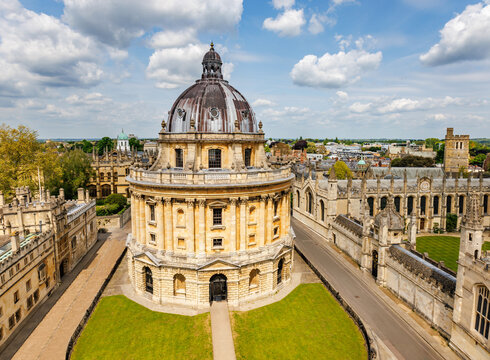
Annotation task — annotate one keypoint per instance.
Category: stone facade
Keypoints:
(456, 152)
(210, 208)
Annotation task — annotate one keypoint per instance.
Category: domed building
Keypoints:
(210, 218)
(123, 142)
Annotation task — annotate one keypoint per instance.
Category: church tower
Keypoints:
(456, 152)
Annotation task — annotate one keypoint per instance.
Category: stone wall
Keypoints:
(114, 221)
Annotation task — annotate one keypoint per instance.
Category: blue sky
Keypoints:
(325, 69)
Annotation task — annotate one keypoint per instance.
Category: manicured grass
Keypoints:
(121, 329)
(443, 248)
(307, 324)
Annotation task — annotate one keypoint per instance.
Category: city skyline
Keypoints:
(347, 69)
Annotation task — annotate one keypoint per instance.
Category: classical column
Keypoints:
(284, 214)
(261, 222)
(288, 212)
(233, 224)
(134, 212)
(169, 241)
(190, 223)
(142, 219)
(243, 223)
(270, 224)
(202, 227)
(159, 221)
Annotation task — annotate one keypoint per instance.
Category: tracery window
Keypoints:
(448, 204)
(409, 205)
(423, 203)
(436, 205)
(482, 316)
(322, 210)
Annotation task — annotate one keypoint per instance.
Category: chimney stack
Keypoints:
(80, 195)
(62, 194)
(87, 195)
(15, 242)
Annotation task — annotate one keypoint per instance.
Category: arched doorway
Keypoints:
(217, 288)
(279, 271)
(374, 267)
(148, 280)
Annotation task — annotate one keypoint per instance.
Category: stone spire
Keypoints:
(472, 217)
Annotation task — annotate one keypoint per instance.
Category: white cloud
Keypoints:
(262, 102)
(288, 23)
(438, 117)
(339, 2)
(334, 70)
(39, 50)
(118, 22)
(391, 106)
(342, 95)
(279, 4)
(88, 99)
(169, 38)
(465, 37)
(316, 23)
(174, 67)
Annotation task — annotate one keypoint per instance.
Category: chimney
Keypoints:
(15, 242)
(87, 195)
(48, 194)
(62, 194)
(80, 195)
(450, 132)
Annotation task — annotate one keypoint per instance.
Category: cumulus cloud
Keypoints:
(279, 4)
(342, 95)
(118, 22)
(339, 2)
(262, 102)
(39, 50)
(315, 25)
(392, 106)
(465, 37)
(169, 38)
(334, 70)
(174, 67)
(88, 99)
(288, 23)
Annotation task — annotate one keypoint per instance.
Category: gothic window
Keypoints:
(435, 205)
(370, 201)
(217, 217)
(482, 316)
(461, 204)
(322, 210)
(397, 204)
(214, 158)
(449, 201)
(253, 282)
(179, 284)
(384, 201)
(423, 205)
(410, 205)
(485, 204)
(248, 156)
(298, 198)
(309, 204)
(179, 158)
(148, 280)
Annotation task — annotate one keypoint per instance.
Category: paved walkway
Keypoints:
(398, 334)
(50, 339)
(223, 347)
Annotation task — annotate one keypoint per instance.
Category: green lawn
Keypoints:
(443, 248)
(121, 329)
(307, 324)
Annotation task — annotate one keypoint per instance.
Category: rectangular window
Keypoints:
(276, 203)
(36, 295)
(217, 216)
(30, 302)
(153, 239)
(1, 334)
(11, 321)
(276, 231)
(217, 243)
(214, 160)
(16, 297)
(17, 267)
(18, 315)
(181, 243)
(3, 278)
(251, 239)
(152, 212)
(248, 156)
(28, 285)
(179, 158)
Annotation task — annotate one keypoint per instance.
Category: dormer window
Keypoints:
(214, 113)
(181, 114)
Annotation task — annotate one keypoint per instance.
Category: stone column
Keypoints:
(233, 224)
(261, 222)
(270, 225)
(169, 240)
(284, 214)
(202, 227)
(134, 212)
(243, 223)
(159, 221)
(142, 220)
(190, 223)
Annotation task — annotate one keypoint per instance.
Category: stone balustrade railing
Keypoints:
(208, 177)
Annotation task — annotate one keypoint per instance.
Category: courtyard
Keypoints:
(443, 248)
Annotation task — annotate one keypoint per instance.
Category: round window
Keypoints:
(214, 113)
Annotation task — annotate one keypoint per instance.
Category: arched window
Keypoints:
(298, 198)
(322, 210)
(449, 201)
(180, 218)
(214, 158)
(485, 204)
(397, 204)
(435, 205)
(253, 282)
(148, 280)
(423, 205)
(309, 204)
(179, 284)
(461, 204)
(410, 205)
(280, 267)
(370, 201)
(384, 201)
(482, 316)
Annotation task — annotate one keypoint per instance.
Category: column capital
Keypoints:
(167, 201)
(190, 202)
(158, 199)
(233, 200)
(243, 200)
(201, 202)
(263, 198)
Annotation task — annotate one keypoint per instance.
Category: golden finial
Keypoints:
(212, 45)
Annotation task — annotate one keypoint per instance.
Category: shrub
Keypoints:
(451, 222)
(108, 209)
(118, 199)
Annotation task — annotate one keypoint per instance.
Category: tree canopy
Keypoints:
(342, 171)
(136, 144)
(102, 144)
(76, 171)
(412, 161)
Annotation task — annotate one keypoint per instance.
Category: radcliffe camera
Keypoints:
(211, 179)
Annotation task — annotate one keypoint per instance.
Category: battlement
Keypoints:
(450, 135)
(27, 244)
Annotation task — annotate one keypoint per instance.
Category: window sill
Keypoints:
(218, 248)
(152, 223)
(275, 237)
(276, 218)
(252, 223)
(252, 244)
(218, 227)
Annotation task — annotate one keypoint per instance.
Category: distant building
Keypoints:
(456, 152)
(399, 150)
(123, 142)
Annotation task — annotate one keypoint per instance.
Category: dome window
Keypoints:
(181, 114)
(214, 112)
(245, 114)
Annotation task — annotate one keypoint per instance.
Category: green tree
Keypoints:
(451, 222)
(135, 143)
(102, 144)
(87, 146)
(478, 160)
(412, 161)
(311, 148)
(431, 143)
(23, 158)
(76, 171)
(342, 171)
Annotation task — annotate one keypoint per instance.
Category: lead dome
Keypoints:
(212, 103)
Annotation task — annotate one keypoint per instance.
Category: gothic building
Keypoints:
(456, 152)
(210, 218)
